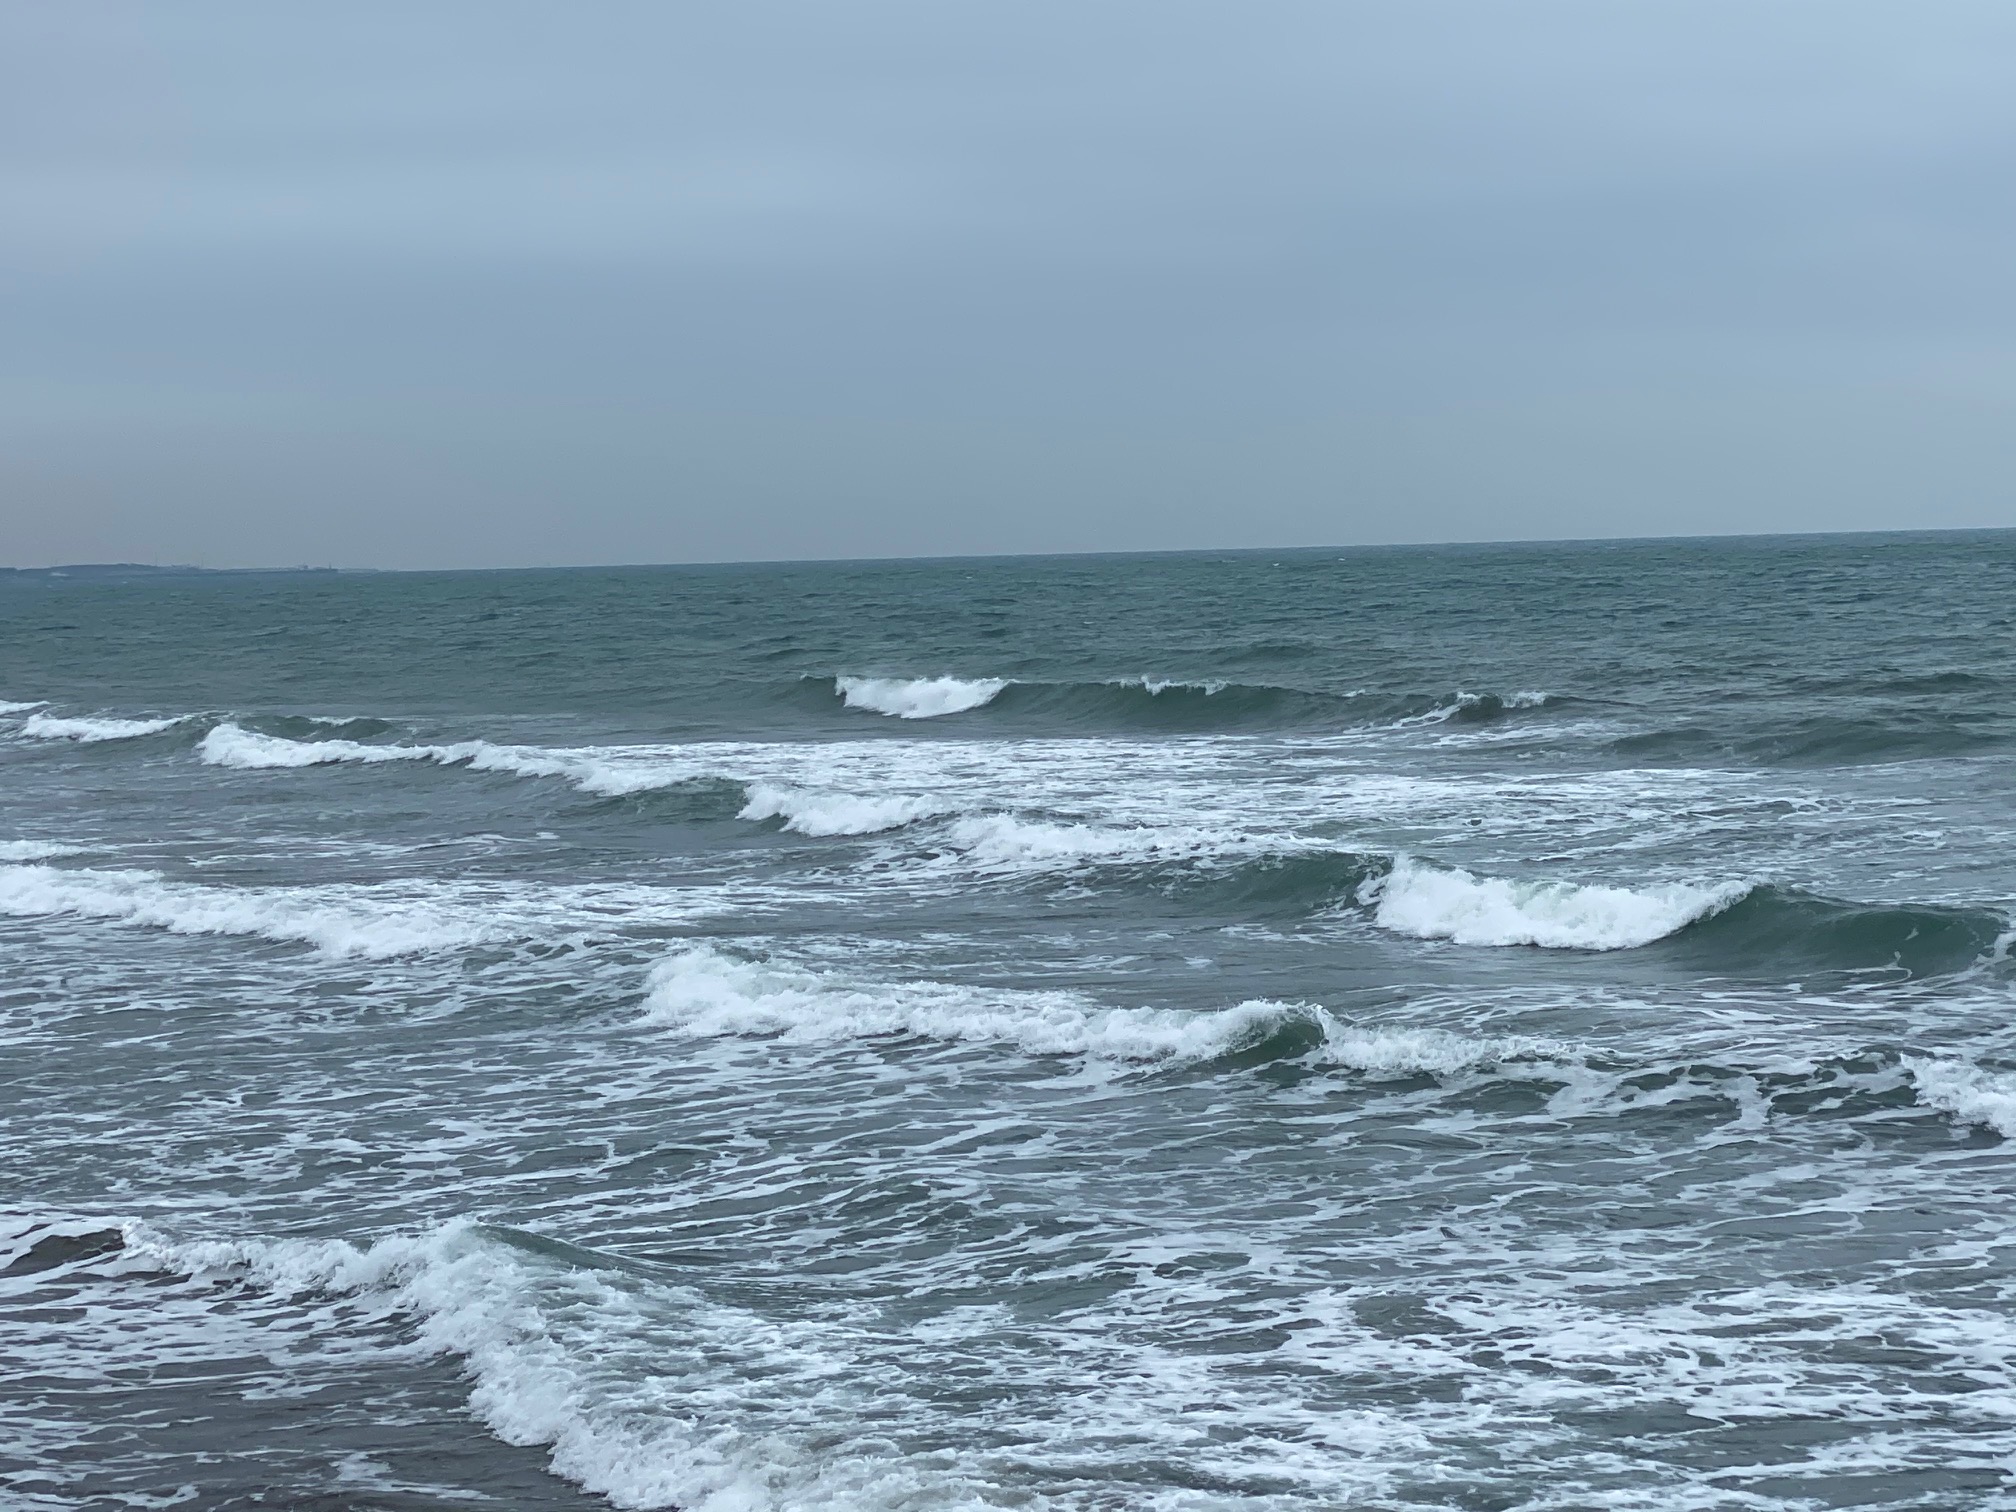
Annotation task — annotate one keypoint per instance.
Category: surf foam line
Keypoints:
(92, 731)
(702, 993)
(360, 926)
(1446, 903)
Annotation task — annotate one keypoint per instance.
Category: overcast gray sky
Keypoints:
(476, 282)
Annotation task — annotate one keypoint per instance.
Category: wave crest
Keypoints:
(809, 812)
(92, 731)
(36, 850)
(1437, 903)
(917, 697)
(1968, 1092)
(231, 745)
(374, 929)
(706, 994)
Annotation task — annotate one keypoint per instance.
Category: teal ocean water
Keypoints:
(1482, 1028)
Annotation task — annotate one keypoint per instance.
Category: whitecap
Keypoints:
(1007, 841)
(810, 812)
(91, 731)
(1526, 698)
(917, 697)
(230, 745)
(36, 850)
(1968, 1092)
(605, 773)
(337, 922)
(7, 706)
(1156, 686)
(1437, 903)
(704, 993)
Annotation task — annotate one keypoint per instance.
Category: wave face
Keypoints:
(1792, 931)
(1189, 1034)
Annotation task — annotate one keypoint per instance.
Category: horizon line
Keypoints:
(1011, 556)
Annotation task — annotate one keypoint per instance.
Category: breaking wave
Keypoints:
(810, 812)
(1438, 903)
(1968, 1092)
(704, 993)
(573, 1351)
(359, 926)
(1731, 928)
(1008, 842)
(1475, 708)
(92, 731)
(597, 772)
(916, 697)
(1166, 704)
(36, 850)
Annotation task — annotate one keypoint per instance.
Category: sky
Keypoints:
(463, 283)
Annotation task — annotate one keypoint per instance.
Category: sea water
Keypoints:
(1473, 1028)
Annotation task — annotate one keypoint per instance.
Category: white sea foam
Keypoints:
(810, 812)
(91, 731)
(337, 922)
(36, 850)
(650, 1391)
(644, 1391)
(1968, 1092)
(917, 697)
(1436, 903)
(7, 706)
(549, 1349)
(1009, 842)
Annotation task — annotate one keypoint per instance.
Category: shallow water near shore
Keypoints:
(1471, 1028)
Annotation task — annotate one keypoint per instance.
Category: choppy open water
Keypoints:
(1475, 1028)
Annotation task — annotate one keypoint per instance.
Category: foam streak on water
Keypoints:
(1190, 1034)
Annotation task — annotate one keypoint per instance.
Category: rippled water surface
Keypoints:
(1459, 1028)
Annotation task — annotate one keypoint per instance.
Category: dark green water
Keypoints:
(1470, 1028)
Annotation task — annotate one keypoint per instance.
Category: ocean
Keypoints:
(1483, 1028)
